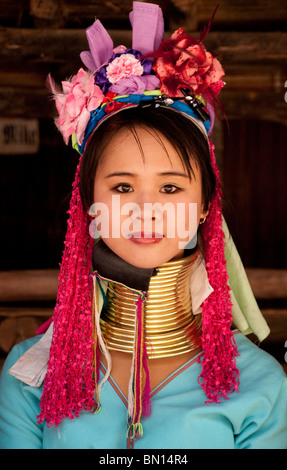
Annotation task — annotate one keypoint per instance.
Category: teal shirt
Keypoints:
(253, 418)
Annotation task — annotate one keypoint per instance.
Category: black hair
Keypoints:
(190, 143)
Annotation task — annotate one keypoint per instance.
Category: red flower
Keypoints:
(182, 61)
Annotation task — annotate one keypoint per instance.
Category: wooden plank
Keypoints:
(277, 321)
(182, 13)
(33, 78)
(259, 77)
(116, 12)
(254, 180)
(248, 47)
(41, 46)
(238, 103)
(276, 343)
(25, 311)
(240, 12)
(253, 62)
(47, 10)
(28, 285)
(244, 77)
(32, 46)
(268, 283)
(35, 103)
(16, 329)
(33, 285)
(252, 104)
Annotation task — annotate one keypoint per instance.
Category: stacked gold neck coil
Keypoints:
(170, 326)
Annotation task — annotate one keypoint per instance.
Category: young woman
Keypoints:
(147, 346)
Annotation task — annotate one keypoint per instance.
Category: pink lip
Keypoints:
(145, 238)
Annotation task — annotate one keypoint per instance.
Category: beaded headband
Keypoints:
(177, 73)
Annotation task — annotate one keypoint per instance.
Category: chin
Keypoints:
(145, 256)
(149, 261)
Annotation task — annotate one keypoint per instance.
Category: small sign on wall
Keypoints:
(19, 136)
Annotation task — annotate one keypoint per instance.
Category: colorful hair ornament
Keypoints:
(178, 67)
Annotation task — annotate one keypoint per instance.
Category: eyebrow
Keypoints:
(164, 173)
(174, 173)
(119, 173)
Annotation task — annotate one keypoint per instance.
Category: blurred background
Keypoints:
(38, 37)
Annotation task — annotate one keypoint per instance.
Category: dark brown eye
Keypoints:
(123, 188)
(170, 188)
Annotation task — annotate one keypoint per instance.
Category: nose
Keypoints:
(147, 211)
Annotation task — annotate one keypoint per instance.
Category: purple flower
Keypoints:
(135, 85)
(101, 80)
(144, 66)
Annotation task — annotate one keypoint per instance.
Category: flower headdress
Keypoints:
(178, 73)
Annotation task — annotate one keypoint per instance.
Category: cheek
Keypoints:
(187, 218)
(112, 218)
(186, 221)
(98, 192)
(189, 208)
(100, 211)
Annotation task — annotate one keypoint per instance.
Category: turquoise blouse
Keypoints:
(253, 418)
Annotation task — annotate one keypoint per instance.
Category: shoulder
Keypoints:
(257, 367)
(19, 405)
(246, 348)
(16, 354)
(23, 346)
(18, 350)
(259, 411)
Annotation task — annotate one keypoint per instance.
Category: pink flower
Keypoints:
(122, 67)
(79, 96)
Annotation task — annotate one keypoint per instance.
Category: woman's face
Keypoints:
(146, 208)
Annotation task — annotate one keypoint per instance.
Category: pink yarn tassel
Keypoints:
(70, 379)
(219, 374)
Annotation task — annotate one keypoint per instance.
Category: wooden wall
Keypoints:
(38, 37)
